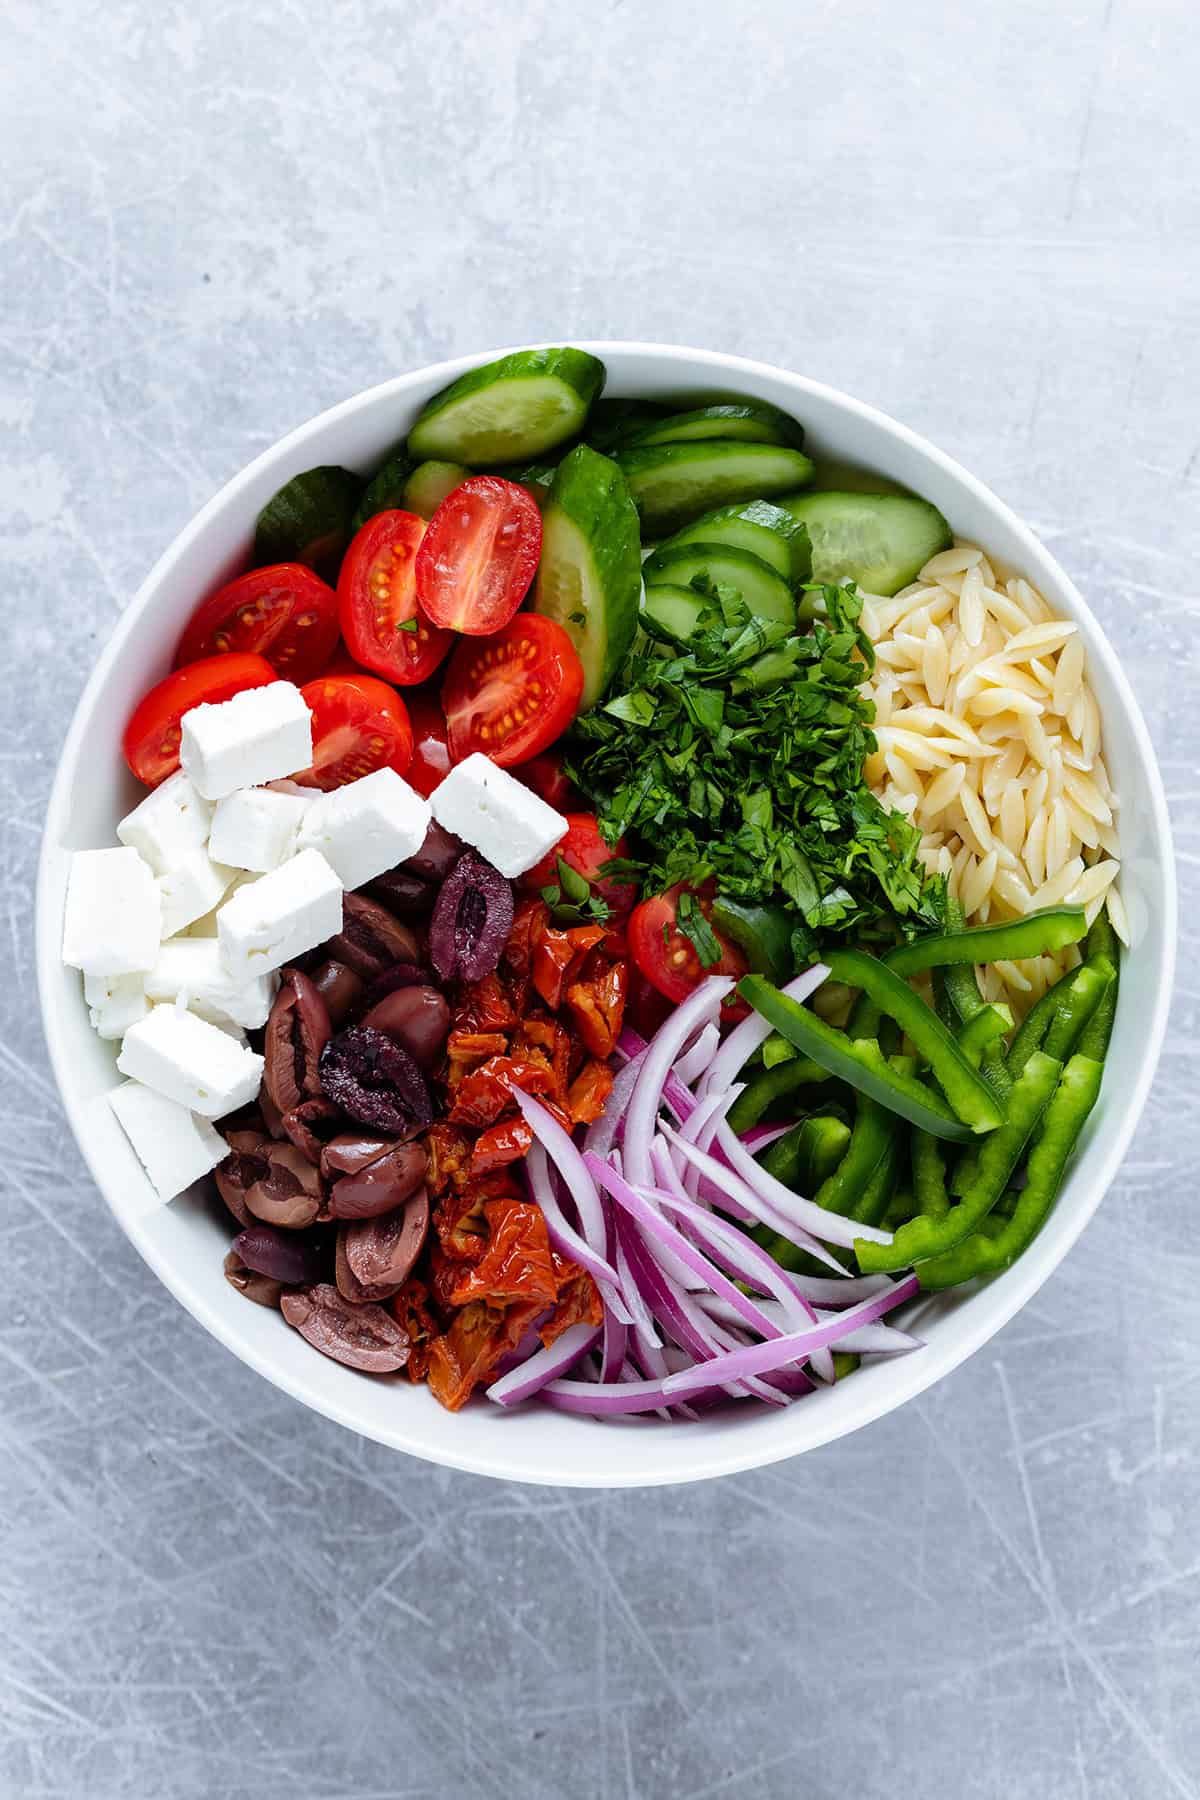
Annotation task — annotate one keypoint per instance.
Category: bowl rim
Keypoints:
(737, 1453)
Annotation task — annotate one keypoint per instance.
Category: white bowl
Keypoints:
(184, 1243)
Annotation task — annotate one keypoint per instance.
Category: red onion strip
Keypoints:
(697, 1009)
(694, 1061)
(827, 1225)
(745, 1038)
(564, 1236)
(544, 1365)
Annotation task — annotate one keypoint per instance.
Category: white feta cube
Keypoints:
(116, 1002)
(367, 826)
(256, 827)
(113, 912)
(260, 734)
(206, 926)
(192, 971)
(271, 920)
(194, 887)
(169, 824)
(497, 815)
(173, 1145)
(190, 1061)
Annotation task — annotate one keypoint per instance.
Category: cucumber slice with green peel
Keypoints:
(429, 484)
(851, 478)
(760, 527)
(881, 541)
(538, 477)
(670, 614)
(672, 484)
(512, 409)
(590, 574)
(310, 519)
(609, 420)
(765, 591)
(385, 490)
(750, 421)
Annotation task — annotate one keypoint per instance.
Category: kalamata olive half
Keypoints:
(339, 987)
(418, 1018)
(437, 855)
(245, 1164)
(283, 1255)
(370, 1077)
(375, 1257)
(297, 1032)
(471, 921)
(262, 1289)
(290, 1191)
(381, 1185)
(363, 1337)
(370, 939)
(353, 1151)
(310, 1126)
(403, 893)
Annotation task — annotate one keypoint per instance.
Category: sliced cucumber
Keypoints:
(760, 527)
(880, 541)
(670, 612)
(590, 575)
(538, 477)
(610, 420)
(309, 520)
(385, 490)
(511, 409)
(851, 478)
(429, 484)
(674, 483)
(750, 421)
(765, 592)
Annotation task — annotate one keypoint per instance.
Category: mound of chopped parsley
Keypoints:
(738, 759)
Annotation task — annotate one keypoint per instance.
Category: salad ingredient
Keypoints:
(194, 886)
(168, 824)
(760, 527)
(765, 593)
(114, 1002)
(195, 968)
(549, 780)
(589, 578)
(376, 1186)
(430, 483)
(255, 827)
(283, 1256)
(280, 1186)
(663, 942)
(880, 541)
(376, 1255)
(366, 827)
(752, 421)
(173, 1144)
(358, 724)
(284, 613)
(431, 751)
(384, 628)
(809, 1154)
(377, 1082)
(610, 418)
(1077, 1006)
(297, 1032)
(417, 1017)
(471, 920)
(277, 918)
(371, 941)
(262, 1289)
(1036, 934)
(340, 987)
(513, 695)
(584, 850)
(113, 919)
(363, 1337)
(671, 484)
(258, 735)
(478, 556)
(537, 477)
(309, 519)
(1094, 1038)
(494, 813)
(191, 1062)
(762, 933)
(515, 408)
(151, 739)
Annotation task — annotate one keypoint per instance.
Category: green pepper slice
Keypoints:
(762, 933)
(1035, 934)
(1101, 941)
(774, 1084)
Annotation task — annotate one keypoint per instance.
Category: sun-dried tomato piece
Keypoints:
(468, 1352)
(588, 1093)
(449, 1153)
(460, 1225)
(558, 958)
(579, 1300)
(597, 1008)
(486, 1005)
(529, 921)
(465, 1050)
(487, 1091)
(500, 1145)
(410, 1309)
(517, 1264)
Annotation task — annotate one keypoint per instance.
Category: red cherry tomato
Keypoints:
(666, 957)
(549, 780)
(584, 850)
(151, 741)
(285, 613)
(377, 599)
(479, 555)
(513, 695)
(430, 764)
(359, 724)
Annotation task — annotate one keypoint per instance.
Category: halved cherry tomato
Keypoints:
(430, 763)
(151, 741)
(549, 780)
(666, 957)
(359, 724)
(284, 612)
(584, 850)
(377, 600)
(479, 555)
(513, 695)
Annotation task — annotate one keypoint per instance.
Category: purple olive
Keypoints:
(339, 987)
(370, 1077)
(353, 1151)
(471, 921)
(375, 1257)
(262, 1289)
(403, 893)
(297, 1032)
(245, 1165)
(283, 1255)
(311, 1125)
(363, 1337)
(419, 1020)
(290, 1191)
(437, 855)
(380, 1185)
(370, 940)
(400, 975)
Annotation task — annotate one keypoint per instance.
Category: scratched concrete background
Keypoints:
(219, 219)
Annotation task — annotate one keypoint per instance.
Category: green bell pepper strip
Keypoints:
(858, 1062)
(1078, 1006)
(929, 1176)
(772, 1085)
(777, 1050)
(1101, 941)
(941, 1000)
(957, 980)
(981, 1039)
(984, 1027)
(873, 1130)
(808, 1154)
(1035, 934)
(901, 1208)
(1038, 1021)
(866, 1021)
(762, 933)
(844, 1363)
(923, 1238)
(1000, 1240)
(993, 1066)
(969, 1096)
(876, 1197)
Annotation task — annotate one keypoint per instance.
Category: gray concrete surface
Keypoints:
(216, 220)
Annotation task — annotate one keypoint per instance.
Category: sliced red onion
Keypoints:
(606, 1398)
(697, 1010)
(602, 1133)
(613, 1346)
(680, 1100)
(694, 1061)
(544, 1365)
(564, 1236)
(632, 1289)
(759, 1136)
(729, 1197)
(864, 1340)
(668, 1178)
(746, 1038)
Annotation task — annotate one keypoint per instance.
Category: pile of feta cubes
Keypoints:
(228, 871)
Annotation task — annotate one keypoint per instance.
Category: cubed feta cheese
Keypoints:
(367, 826)
(277, 917)
(116, 1002)
(192, 971)
(260, 734)
(190, 1061)
(113, 913)
(206, 927)
(194, 887)
(168, 824)
(256, 827)
(173, 1145)
(497, 815)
